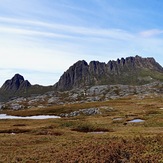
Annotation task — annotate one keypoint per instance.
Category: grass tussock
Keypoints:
(89, 127)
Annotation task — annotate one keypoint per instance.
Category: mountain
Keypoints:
(129, 71)
(17, 83)
(17, 87)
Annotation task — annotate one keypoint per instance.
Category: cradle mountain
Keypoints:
(132, 71)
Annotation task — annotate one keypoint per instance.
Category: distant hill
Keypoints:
(129, 71)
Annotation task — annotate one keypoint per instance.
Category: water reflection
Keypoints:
(5, 116)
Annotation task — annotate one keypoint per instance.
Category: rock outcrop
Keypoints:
(87, 95)
(89, 111)
(132, 70)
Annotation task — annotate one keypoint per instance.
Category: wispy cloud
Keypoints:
(32, 32)
(66, 30)
(151, 33)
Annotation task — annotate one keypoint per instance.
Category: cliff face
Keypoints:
(76, 76)
(131, 70)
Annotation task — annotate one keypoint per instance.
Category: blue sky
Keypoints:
(41, 39)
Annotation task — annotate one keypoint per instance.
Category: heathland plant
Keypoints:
(107, 137)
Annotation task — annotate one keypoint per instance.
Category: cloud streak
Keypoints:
(151, 33)
(69, 31)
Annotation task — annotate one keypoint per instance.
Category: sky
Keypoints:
(40, 39)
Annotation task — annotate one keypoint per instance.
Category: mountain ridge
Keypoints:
(127, 71)
(130, 70)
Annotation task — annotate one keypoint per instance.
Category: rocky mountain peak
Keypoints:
(131, 70)
(17, 78)
(15, 84)
(74, 75)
